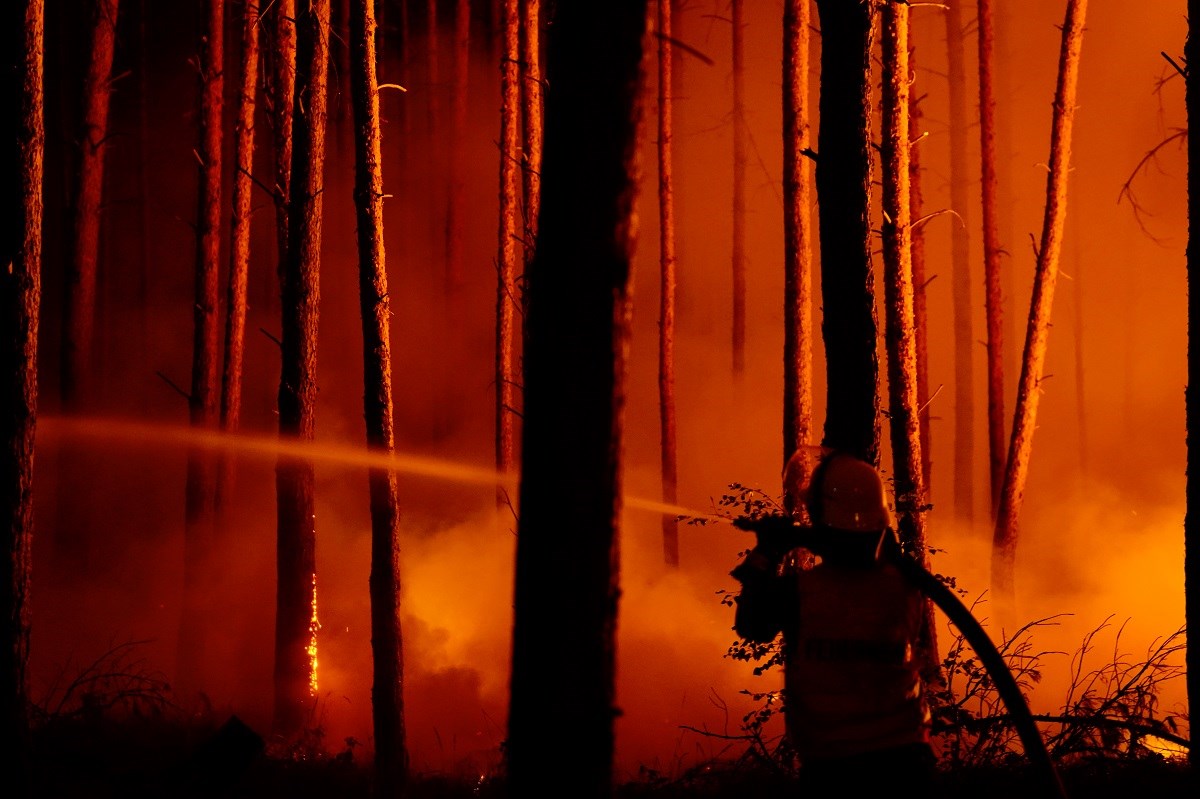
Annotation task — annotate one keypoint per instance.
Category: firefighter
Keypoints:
(854, 706)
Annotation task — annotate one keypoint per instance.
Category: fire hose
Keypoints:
(941, 595)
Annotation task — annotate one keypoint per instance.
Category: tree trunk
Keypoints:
(901, 335)
(850, 321)
(296, 601)
(387, 694)
(1004, 541)
(431, 67)
(994, 303)
(920, 315)
(79, 309)
(567, 585)
(203, 402)
(739, 191)
(531, 118)
(456, 204)
(239, 248)
(281, 98)
(20, 299)
(506, 374)
(797, 236)
(1191, 523)
(666, 318)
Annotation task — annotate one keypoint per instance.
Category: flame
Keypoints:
(314, 624)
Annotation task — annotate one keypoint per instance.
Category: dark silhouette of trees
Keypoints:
(387, 691)
(20, 298)
(295, 623)
(578, 326)
(843, 174)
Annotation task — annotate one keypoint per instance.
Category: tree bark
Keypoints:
(239, 247)
(506, 369)
(666, 316)
(281, 95)
(901, 335)
(203, 402)
(797, 236)
(79, 309)
(295, 614)
(531, 119)
(1004, 540)
(849, 323)
(960, 275)
(20, 299)
(567, 586)
(994, 301)
(1191, 522)
(387, 692)
(920, 315)
(739, 191)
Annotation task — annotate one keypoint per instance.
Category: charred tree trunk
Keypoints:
(456, 203)
(510, 118)
(387, 694)
(203, 402)
(296, 600)
(281, 93)
(849, 324)
(567, 587)
(1004, 541)
(920, 315)
(239, 247)
(79, 309)
(20, 298)
(739, 191)
(960, 276)
(901, 336)
(531, 118)
(797, 236)
(1191, 523)
(994, 302)
(666, 317)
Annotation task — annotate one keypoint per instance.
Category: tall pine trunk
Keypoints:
(387, 691)
(666, 315)
(960, 270)
(901, 334)
(1004, 540)
(20, 298)
(531, 119)
(281, 90)
(510, 119)
(239, 246)
(203, 402)
(296, 593)
(994, 300)
(79, 308)
(739, 191)
(567, 586)
(797, 236)
(920, 314)
(849, 323)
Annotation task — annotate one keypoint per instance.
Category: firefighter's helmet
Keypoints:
(842, 492)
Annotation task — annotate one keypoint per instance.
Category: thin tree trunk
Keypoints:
(510, 110)
(901, 334)
(567, 586)
(281, 95)
(20, 299)
(296, 601)
(1004, 542)
(239, 248)
(920, 315)
(960, 275)
(797, 237)
(1191, 522)
(994, 303)
(79, 307)
(666, 318)
(531, 118)
(456, 204)
(387, 692)
(850, 321)
(739, 191)
(203, 403)
(431, 66)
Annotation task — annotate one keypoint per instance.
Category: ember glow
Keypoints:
(314, 625)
